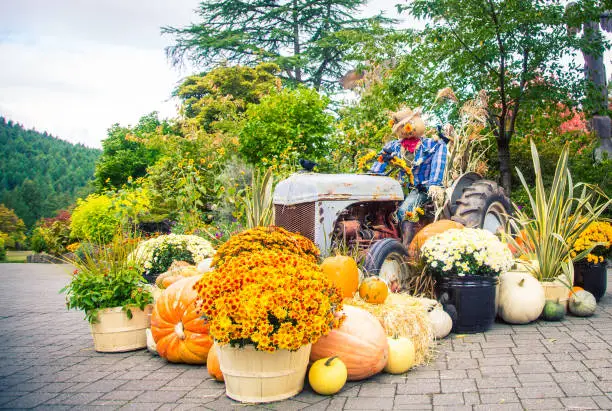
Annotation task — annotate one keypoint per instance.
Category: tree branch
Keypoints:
(467, 48)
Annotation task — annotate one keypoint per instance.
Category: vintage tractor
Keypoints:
(358, 211)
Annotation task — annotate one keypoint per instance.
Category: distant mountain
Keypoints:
(41, 174)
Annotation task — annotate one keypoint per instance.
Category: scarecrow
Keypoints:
(427, 157)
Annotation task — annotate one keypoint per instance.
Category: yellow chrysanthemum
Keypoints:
(268, 296)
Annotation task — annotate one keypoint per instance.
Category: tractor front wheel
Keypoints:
(484, 204)
(388, 259)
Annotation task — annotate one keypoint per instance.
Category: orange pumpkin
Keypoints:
(180, 333)
(574, 290)
(373, 290)
(430, 230)
(523, 242)
(360, 342)
(342, 271)
(213, 366)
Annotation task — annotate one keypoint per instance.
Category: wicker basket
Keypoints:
(257, 376)
(115, 332)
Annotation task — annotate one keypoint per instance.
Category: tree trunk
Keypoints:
(296, 42)
(503, 154)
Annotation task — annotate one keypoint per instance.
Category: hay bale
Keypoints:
(405, 316)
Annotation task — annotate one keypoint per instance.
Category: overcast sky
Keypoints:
(75, 67)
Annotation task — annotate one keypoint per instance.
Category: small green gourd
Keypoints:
(582, 304)
(553, 311)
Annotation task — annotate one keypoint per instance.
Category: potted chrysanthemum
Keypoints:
(590, 273)
(265, 307)
(156, 255)
(466, 264)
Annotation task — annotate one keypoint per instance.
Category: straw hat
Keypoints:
(407, 123)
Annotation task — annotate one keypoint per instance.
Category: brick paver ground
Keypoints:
(47, 361)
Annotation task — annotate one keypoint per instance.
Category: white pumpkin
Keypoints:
(441, 322)
(521, 297)
(204, 265)
(582, 303)
(151, 346)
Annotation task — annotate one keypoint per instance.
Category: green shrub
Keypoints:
(2, 250)
(94, 219)
(286, 125)
(37, 241)
(581, 162)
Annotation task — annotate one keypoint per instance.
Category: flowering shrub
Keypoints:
(468, 251)
(272, 299)
(157, 254)
(266, 238)
(52, 234)
(596, 232)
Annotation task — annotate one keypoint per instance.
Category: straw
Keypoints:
(405, 316)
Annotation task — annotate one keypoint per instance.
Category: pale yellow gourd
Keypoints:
(401, 355)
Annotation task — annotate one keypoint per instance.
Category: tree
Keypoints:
(285, 125)
(124, 153)
(217, 98)
(513, 49)
(305, 38)
(11, 226)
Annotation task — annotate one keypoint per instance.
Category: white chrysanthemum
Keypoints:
(199, 248)
(450, 249)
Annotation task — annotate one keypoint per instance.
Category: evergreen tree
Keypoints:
(309, 40)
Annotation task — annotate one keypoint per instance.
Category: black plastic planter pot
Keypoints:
(592, 277)
(470, 301)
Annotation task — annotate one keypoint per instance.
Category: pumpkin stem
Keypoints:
(329, 361)
(520, 284)
(180, 330)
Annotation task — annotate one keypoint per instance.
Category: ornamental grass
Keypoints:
(405, 316)
(272, 299)
(259, 239)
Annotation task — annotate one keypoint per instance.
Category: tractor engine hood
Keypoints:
(311, 187)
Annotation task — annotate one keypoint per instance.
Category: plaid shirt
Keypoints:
(429, 161)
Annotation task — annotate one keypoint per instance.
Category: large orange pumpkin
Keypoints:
(360, 342)
(430, 230)
(342, 271)
(373, 290)
(180, 333)
(213, 366)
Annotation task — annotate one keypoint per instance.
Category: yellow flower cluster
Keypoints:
(73, 247)
(266, 238)
(399, 162)
(596, 232)
(362, 163)
(414, 215)
(272, 299)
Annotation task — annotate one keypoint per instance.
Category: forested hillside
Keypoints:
(39, 173)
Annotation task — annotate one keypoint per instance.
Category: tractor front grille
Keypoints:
(298, 218)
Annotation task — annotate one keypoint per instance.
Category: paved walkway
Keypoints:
(47, 361)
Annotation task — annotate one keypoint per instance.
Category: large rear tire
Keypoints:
(388, 259)
(484, 205)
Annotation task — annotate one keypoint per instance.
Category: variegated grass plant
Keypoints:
(258, 200)
(559, 216)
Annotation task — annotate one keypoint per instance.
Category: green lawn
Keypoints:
(16, 256)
